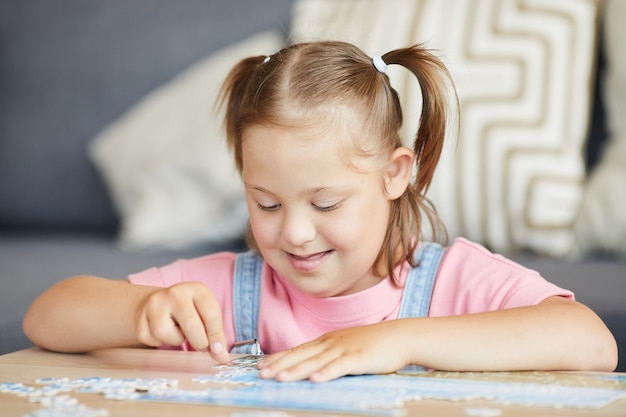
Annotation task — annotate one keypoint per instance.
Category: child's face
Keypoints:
(317, 221)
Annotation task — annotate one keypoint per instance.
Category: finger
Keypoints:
(192, 328)
(163, 328)
(211, 315)
(341, 366)
(267, 361)
(316, 365)
(271, 365)
(155, 325)
(144, 335)
(292, 364)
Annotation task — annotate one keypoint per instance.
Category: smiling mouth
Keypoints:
(308, 263)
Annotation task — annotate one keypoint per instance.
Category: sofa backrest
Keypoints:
(69, 67)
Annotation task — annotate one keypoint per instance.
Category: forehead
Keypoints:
(299, 154)
(290, 164)
(331, 130)
(274, 143)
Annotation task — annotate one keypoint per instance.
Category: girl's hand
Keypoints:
(184, 311)
(355, 351)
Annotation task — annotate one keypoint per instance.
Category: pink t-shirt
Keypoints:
(470, 279)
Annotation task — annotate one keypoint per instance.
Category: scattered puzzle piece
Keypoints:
(238, 384)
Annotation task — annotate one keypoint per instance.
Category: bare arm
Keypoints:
(87, 313)
(557, 334)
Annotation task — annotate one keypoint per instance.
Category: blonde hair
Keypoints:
(303, 81)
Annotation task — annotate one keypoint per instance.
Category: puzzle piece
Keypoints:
(237, 384)
(51, 395)
(385, 391)
(243, 363)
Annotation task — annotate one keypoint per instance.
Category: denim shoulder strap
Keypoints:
(246, 301)
(418, 288)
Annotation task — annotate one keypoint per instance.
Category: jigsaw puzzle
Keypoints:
(237, 384)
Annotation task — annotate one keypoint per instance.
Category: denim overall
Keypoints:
(247, 293)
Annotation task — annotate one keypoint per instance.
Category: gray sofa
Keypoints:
(69, 67)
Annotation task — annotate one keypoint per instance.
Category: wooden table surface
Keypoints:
(27, 365)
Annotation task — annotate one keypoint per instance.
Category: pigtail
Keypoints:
(233, 95)
(435, 82)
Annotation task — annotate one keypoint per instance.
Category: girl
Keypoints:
(339, 280)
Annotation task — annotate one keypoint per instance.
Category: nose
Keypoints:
(298, 227)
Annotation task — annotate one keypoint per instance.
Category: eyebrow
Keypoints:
(257, 188)
(308, 191)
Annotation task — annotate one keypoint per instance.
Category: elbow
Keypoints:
(600, 351)
(34, 330)
(607, 354)
(38, 331)
(599, 354)
(592, 346)
(30, 328)
(46, 320)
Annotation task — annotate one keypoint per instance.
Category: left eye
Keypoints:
(323, 207)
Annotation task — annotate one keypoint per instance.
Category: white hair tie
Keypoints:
(380, 65)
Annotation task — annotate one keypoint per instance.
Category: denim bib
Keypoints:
(415, 302)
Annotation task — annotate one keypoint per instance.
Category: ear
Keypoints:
(398, 172)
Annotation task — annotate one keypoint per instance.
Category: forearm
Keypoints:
(554, 335)
(85, 313)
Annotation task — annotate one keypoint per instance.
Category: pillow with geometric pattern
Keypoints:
(512, 177)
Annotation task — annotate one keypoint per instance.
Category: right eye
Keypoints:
(271, 207)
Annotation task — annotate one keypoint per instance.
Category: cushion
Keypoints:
(523, 69)
(601, 223)
(166, 164)
(70, 67)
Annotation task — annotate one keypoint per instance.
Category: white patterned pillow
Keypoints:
(165, 161)
(523, 71)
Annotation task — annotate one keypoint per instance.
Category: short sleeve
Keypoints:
(159, 277)
(471, 279)
(215, 271)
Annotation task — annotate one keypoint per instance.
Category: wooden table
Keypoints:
(27, 365)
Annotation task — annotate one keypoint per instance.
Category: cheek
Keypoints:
(369, 224)
(349, 231)
(263, 228)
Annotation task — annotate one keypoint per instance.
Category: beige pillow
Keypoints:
(165, 161)
(523, 70)
(601, 224)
